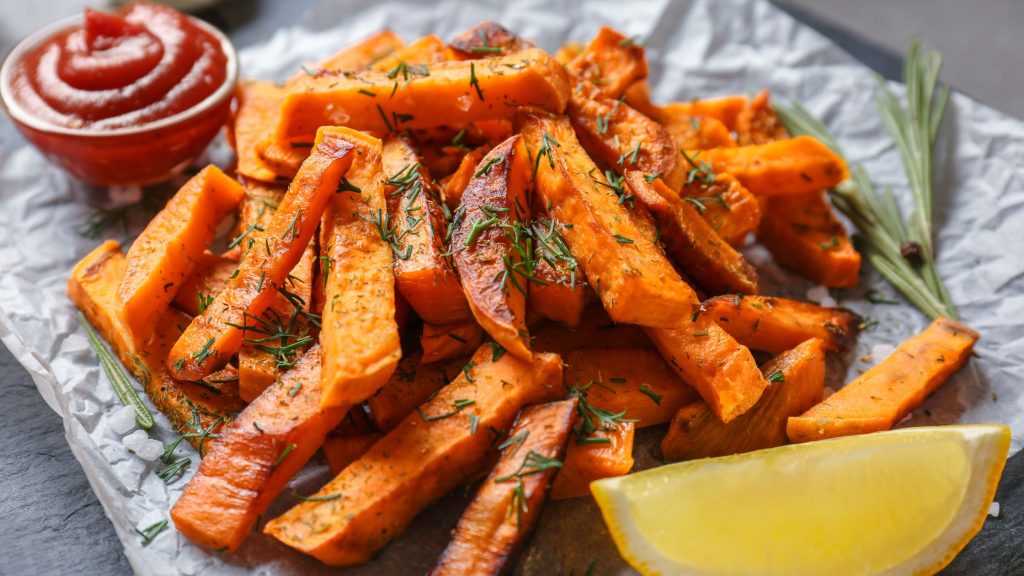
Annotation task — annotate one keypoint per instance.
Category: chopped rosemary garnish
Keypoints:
(497, 351)
(118, 379)
(478, 228)
(876, 214)
(515, 441)
(630, 157)
(592, 419)
(533, 463)
(203, 301)
(474, 422)
(151, 532)
(777, 376)
(457, 140)
(468, 370)
(486, 168)
(381, 220)
(545, 149)
(174, 470)
(604, 121)
(622, 239)
(346, 186)
(457, 338)
(701, 172)
(238, 239)
(474, 82)
(284, 453)
(650, 393)
(457, 406)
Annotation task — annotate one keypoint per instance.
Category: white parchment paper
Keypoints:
(712, 48)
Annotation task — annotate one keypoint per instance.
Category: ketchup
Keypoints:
(120, 70)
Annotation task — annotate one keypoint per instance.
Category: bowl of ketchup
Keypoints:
(121, 98)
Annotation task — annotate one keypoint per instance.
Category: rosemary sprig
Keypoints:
(122, 386)
(902, 253)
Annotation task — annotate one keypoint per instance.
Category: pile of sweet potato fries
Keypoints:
(467, 260)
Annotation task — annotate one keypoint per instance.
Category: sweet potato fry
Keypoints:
(447, 341)
(192, 409)
(341, 451)
(281, 334)
(216, 334)
(358, 56)
(559, 293)
(566, 52)
(616, 135)
(457, 182)
(596, 329)
(166, 252)
(259, 105)
(894, 387)
(412, 384)
(611, 61)
(636, 381)
(795, 166)
(690, 133)
(487, 39)
(359, 332)
(594, 460)
(488, 239)
(426, 50)
(423, 274)
(453, 93)
(709, 359)
(731, 210)
(256, 211)
(211, 275)
(725, 109)
(757, 123)
(694, 132)
(778, 324)
(697, 249)
(796, 382)
(281, 157)
(613, 243)
(255, 457)
(507, 505)
(803, 234)
(433, 450)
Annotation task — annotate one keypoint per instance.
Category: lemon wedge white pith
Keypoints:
(899, 502)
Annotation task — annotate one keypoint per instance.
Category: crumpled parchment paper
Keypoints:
(712, 48)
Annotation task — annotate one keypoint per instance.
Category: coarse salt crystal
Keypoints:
(817, 293)
(122, 420)
(828, 302)
(993, 510)
(150, 450)
(125, 195)
(134, 440)
(882, 351)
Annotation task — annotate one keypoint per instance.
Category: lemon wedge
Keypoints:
(899, 502)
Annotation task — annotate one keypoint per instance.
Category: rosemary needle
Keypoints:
(122, 386)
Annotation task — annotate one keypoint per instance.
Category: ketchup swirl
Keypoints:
(119, 70)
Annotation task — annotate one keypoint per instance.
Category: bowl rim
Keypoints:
(19, 114)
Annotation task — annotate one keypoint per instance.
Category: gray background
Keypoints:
(50, 521)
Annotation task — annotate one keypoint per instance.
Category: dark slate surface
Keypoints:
(51, 523)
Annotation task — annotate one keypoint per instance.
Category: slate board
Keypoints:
(51, 523)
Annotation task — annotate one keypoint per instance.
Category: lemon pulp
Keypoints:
(882, 503)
